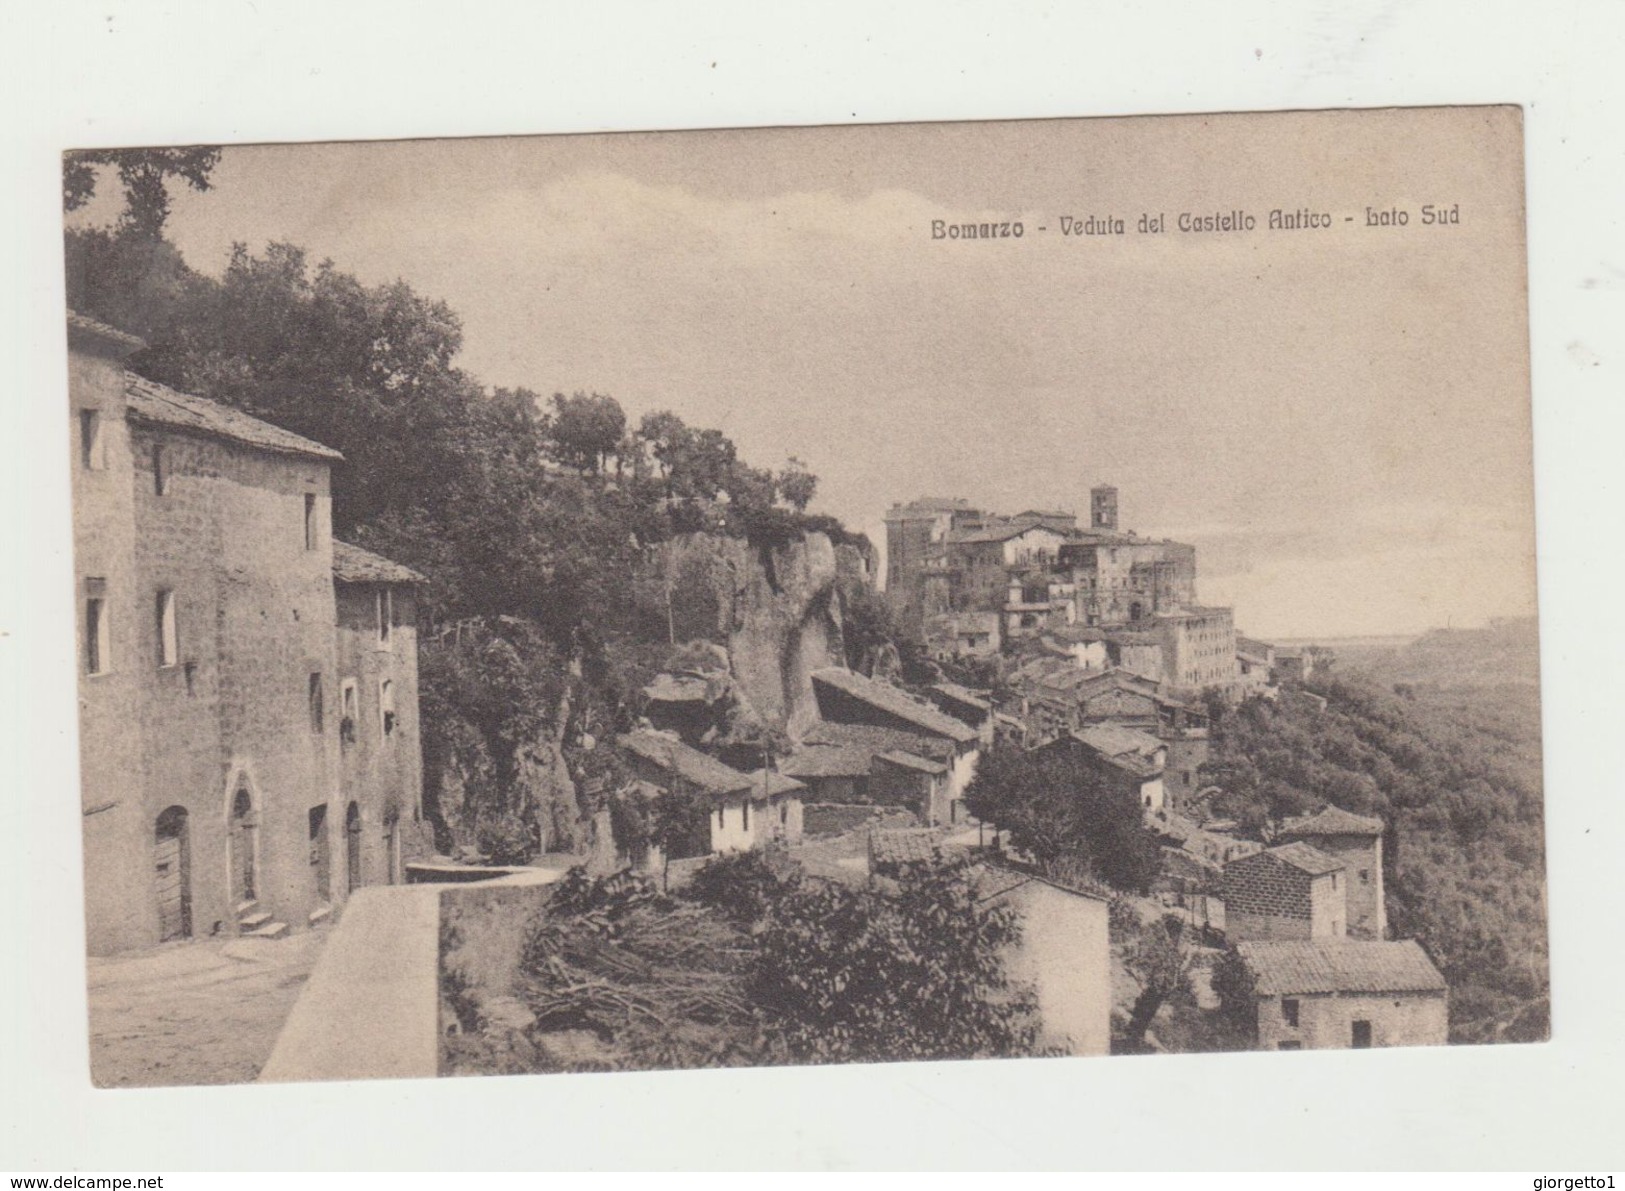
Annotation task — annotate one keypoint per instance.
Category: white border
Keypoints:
(121, 72)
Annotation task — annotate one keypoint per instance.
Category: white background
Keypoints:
(116, 72)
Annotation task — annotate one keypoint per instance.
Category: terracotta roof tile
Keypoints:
(897, 703)
(1332, 820)
(1327, 966)
(85, 325)
(149, 401)
(352, 564)
(903, 846)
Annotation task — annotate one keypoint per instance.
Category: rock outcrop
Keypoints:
(776, 610)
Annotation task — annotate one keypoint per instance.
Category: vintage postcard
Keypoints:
(806, 595)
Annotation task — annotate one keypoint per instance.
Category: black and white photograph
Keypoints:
(790, 596)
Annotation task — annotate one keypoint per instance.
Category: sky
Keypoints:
(1337, 418)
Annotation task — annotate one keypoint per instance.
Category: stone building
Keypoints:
(213, 773)
(851, 699)
(1133, 761)
(1338, 994)
(746, 810)
(1063, 953)
(380, 760)
(1288, 892)
(1198, 648)
(1356, 841)
(979, 582)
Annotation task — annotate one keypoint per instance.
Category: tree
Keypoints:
(1062, 811)
(586, 430)
(1160, 960)
(1233, 984)
(145, 175)
(797, 485)
(845, 975)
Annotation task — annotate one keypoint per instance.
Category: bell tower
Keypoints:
(1103, 507)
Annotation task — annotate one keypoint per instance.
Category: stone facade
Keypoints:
(1198, 648)
(381, 756)
(1291, 892)
(1341, 994)
(209, 727)
(1357, 842)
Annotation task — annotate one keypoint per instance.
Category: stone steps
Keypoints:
(251, 922)
(271, 930)
(321, 914)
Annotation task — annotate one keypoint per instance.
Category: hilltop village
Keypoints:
(252, 746)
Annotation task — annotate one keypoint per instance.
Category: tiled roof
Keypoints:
(89, 326)
(1326, 966)
(963, 694)
(887, 698)
(875, 739)
(149, 401)
(1310, 860)
(910, 761)
(672, 754)
(828, 760)
(1114, 740)
(352, 564)
(903, 846)
(1333, 820)
(773, 783)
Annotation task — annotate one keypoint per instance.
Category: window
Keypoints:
(386, 707)
(316, 701)
(1365, 876)
(722, 818)
(744, 812)
(1289, 1045)
(168, 643)
(160, 478)
(1334, 880)
(384, 614)
(92, 450)
(98, 646)
(347, 711)
(310, 521)
(1362, 1035)
(1289, 1011)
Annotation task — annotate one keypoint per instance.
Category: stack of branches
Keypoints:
(657, 983)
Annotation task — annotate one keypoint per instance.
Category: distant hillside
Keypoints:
(1505, 653)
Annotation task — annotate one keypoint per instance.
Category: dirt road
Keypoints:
(206, 1012)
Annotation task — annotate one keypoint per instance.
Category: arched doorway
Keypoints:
(1136, 611)
(172, 875)
(241, 844)
(352, 848)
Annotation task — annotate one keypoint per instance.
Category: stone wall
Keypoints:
(253, 623)
(1267, 898)
(1326, 1021)
(381, 774)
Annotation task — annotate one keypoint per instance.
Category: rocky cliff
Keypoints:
(776, 610)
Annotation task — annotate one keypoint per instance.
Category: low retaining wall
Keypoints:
(371, 1009)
